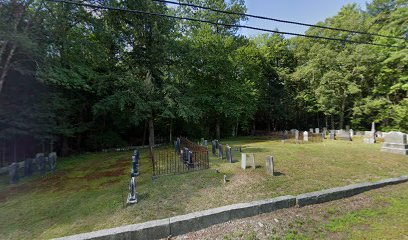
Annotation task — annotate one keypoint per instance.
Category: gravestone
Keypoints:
(216, 143)
(135, 162)
(269, 165)
(332, 134)
(252, 160)
(317, 130)
(213, 148)
(395, 142)
(351, 133)
(369, 137)
(13, 173)
(220, 153)
(28, 167)
(52, 161)
(344, 135)
(305, 136)
(40, 161)
(190, 158)
(379, 134)
(205, 143)
(297, 140)
(132, 196)
(228, 152)
(311, 130)
(292, 131)
(243, 161)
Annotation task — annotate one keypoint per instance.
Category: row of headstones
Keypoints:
(217, 147)
(134, 171)
(40, 160)
(250, 157)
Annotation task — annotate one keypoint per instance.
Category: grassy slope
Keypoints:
(87, 191)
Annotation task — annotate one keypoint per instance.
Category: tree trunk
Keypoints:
(217, 129)
(332, 122)
(171, 133)
(151, 136)
(343, 106)
(144, 134)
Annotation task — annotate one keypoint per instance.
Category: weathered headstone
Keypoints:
(379, 134)
(305, 136)
(269, 165)
(317, 130)
(135, 162)
(217, 144)
(52, 161)
(297, 139)
(28, 167)
(220, 152)
(40, 161)
(243, 161)
(13, 173)
(395, 142)
(311, 130)
(344, 135)
(190, 158)
(228, 153)
(132, 197)
(252, 160)
(332, 134)
(351, 133)
(369, 137)
(205, 143)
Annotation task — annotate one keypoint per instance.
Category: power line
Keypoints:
(216, 24)
(275, 19)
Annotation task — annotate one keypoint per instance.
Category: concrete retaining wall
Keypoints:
(199, 220)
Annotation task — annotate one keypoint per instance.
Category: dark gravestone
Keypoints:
(40, 161)
(190, 159)
(214, 148)
(52, 161)
(229, 154)
(135, 162)
(28, 167)
(332, 134)
(220, 154)
(132, 197)
(217, 144)
(13, 172)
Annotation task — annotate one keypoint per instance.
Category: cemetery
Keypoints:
(125, 188)
(146, 119)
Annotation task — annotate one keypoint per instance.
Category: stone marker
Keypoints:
(40, 161)
(305, 136)
(228, 151)
(351, 133)
(213, 148)
(252, 160)
(135, 162)
(13, 173)
(317, 130)
(132, 197)
(269, 165)
(225, 179)
(52, 161)
(395, 142)
(28, 167)
(332, 134)
(369, 137)
(344, 135)
(220, 153)
(243, 161)
(205, 143)
(297, 140)
(311, 130)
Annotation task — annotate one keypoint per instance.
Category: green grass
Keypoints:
(87, 191)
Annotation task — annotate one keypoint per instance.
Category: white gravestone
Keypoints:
(395, 142)
(243, 161)
(305, 136)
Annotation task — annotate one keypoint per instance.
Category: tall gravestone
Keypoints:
(13, 173)
(213, 148)
(269, 165)
(395, 142)
(40, 161)
(332, 134)
(305, 136)
(28, 167)
(297, 139)
(243, 160)
(228, 150)
(252, 160)
(52, 161)
(135, 162)
(220, 152)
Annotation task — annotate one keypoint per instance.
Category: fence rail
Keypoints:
(190, 157)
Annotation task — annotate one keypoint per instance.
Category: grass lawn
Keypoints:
(87, 192)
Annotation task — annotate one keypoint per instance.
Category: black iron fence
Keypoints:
(187, 157)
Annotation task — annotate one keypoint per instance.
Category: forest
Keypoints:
(75, 78)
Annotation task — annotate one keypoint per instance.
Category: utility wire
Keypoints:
(275, 19)
(216, 24)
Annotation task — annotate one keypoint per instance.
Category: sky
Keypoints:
(307, 11)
